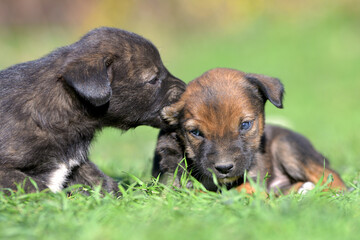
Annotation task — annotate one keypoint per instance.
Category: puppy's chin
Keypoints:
(228, 180)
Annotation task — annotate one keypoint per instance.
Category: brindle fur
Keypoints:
(216, 104)
(50, 108)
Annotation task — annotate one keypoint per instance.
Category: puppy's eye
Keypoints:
(108, 62)
(245, 126)
(154, 80)
(196, 133)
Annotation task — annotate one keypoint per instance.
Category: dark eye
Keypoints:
(154, 80)
(108, 62)
(196, 133)
(244, 126)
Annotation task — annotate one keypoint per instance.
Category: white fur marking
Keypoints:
(58, 177)
(73, 163)
(306, 187)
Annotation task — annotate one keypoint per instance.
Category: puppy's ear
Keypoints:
(271, 88)
(171, 113)
(89, 79)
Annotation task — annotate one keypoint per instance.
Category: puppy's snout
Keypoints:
(224, 168)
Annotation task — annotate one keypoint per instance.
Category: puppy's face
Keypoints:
(221, 119)
(121, 76)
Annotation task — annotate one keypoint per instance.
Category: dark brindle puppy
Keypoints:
(50, 108)
(220, 126)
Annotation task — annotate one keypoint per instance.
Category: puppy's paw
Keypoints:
(306, 187)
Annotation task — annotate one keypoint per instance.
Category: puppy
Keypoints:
(219, 128)
(50, 108)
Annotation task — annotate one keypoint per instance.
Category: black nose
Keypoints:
(224, 168)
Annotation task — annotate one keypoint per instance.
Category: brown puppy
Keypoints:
(50, 108)
(219, 127)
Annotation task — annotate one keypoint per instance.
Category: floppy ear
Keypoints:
(90, 80)
(271, 88)
(171, 113)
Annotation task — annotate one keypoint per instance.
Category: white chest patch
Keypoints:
(58, 177)
(74, 163)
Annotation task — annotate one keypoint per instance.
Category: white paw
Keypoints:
(307, 186)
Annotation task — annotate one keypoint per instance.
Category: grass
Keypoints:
(318, 61)
(157, 212)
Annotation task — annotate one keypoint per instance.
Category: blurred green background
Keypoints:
(312, 46)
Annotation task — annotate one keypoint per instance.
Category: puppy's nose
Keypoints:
(224, 168)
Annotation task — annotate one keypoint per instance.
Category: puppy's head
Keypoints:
(121, 75)
(221, 119)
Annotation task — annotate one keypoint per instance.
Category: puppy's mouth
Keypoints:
(228, 180)
(156, 121)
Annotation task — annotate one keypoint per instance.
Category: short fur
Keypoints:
(50, 108)
(208, 129)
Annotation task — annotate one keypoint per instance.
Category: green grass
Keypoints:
(318, 61)
(157, 212)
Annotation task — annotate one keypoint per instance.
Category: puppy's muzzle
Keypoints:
(225, 172)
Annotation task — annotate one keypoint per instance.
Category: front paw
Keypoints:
(306, 187)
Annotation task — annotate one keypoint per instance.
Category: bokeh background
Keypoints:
(313, 46)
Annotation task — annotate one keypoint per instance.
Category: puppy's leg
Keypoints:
(314, 172)
(10, 178)
(168, 155)
(299, 187)
(89, 174)
(296, 158)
